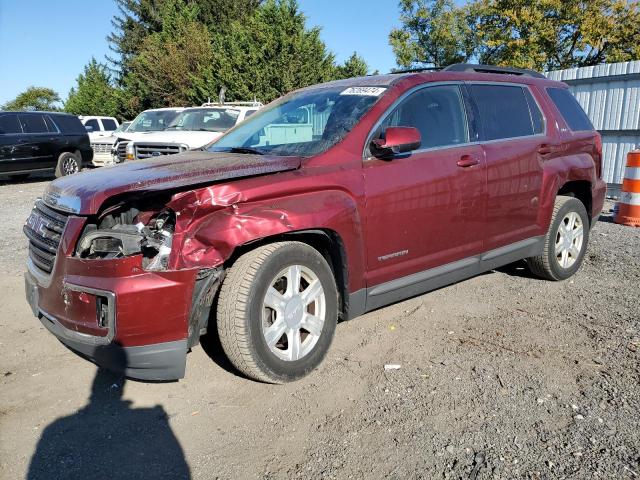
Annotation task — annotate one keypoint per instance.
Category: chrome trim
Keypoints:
(60, 330)
(66, 203)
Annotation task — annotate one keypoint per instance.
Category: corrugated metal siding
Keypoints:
(610, 94)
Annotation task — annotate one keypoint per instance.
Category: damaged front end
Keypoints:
(145, 228)
(124, 231)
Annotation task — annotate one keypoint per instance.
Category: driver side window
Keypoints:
(438, 114)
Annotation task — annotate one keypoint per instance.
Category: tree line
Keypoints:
(181, 52)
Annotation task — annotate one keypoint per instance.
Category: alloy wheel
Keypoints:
(569, 240)
(294, 312)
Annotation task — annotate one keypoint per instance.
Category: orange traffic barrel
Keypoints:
(627, 211)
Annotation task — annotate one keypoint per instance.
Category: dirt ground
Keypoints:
(502, 376)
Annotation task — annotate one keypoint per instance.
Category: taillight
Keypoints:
(598, 154)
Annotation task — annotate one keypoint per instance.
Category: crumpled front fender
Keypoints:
(213, 222)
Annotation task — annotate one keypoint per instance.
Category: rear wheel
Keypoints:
(68, 164)
(277, 312)
(565, 242)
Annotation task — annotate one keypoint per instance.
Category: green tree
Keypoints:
(354, 66)
(138, 19)
(174, 65)
(270, 53)
(94, 93)
(538, 34)
(434, 32)
(34, 98)
(553, 34)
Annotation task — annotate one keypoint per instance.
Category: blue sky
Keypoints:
(47, 42)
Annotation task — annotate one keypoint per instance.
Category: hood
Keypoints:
(192, 139)
(85, 192)
(106, 139)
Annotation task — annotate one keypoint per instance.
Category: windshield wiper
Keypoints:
(246, 150)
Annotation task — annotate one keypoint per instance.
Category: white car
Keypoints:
(99, 126)
(102, 146)
(192, 129)
(145, 124)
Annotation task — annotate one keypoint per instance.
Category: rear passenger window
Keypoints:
(570, 109)
(93, 123)
(503, 111)
(109, 124)
(437, 113)
(33, 123)
(9, 124)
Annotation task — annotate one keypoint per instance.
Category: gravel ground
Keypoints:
(501, 376)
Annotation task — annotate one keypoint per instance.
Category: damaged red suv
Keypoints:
(333, 201)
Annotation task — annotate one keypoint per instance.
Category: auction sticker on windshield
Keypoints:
(364, 91)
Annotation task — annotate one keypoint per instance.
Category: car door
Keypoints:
(38, 140)
(512, 130)
(14, 148)
(426, 208)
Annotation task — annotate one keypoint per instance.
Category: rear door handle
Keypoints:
(467, 161)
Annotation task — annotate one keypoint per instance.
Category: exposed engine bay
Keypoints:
(131, 229)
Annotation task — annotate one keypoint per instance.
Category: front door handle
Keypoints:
(467, 161)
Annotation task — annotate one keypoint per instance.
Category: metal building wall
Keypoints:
(610, 94)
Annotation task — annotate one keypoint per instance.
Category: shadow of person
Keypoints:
(108, 439)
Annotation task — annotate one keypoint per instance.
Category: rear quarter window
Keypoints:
(504, 112)
(570, 109)
(109, 124)
(68, 124)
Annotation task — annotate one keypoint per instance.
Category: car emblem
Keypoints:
(38, 224)
(155, 154)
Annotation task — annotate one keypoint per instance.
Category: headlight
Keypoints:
(116, 240)
(129, 152)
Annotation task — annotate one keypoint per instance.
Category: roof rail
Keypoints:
(470, 67)
(416, 70)
(238, 104)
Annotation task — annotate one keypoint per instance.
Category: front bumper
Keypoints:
(160, 361)
(120, 317)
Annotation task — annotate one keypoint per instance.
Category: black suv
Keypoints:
(42, 141)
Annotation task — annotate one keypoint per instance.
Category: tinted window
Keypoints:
(437, 113)
(503, 111)
(536, 115)
(68, 124)
(570, 109)
(33, 123)
(51, 126)
(93, 123)
(9, 124)
(249, 113)
(109, 124)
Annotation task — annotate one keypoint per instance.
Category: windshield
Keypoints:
(122, 127)
(152, 120)
(302, 124)
(205, 120)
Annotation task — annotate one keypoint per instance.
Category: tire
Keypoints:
(245, 320)
(551, 265)
(68, 164)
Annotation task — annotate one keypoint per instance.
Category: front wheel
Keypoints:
(565, 243)
(277, 312)
(68, 164)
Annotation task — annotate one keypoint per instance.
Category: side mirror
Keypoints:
(396, 140)
(88, 129)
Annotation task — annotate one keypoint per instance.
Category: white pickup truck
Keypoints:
(193, 128)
